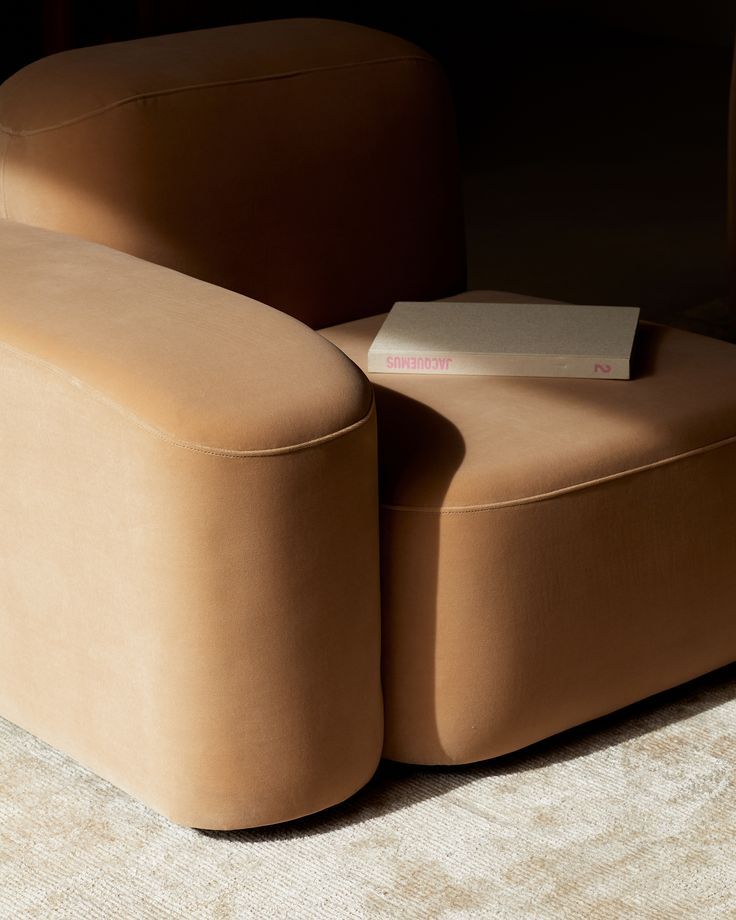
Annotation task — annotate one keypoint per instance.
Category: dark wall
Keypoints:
(34, 28)
(496, 45)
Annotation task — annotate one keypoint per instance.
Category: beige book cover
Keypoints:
(517, 339)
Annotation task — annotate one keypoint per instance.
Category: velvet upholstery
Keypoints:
(552, 549)
(189, 579)
(189, 560)
(307, 163)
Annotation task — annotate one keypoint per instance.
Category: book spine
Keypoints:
(449, 364)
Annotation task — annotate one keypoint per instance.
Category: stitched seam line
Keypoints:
(153, 94)
(577, 487)
(138, 422)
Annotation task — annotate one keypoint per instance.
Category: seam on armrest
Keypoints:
(168, 438)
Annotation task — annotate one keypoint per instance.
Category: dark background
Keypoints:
(594, 134)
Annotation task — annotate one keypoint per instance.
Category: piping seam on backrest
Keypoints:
(153, 94)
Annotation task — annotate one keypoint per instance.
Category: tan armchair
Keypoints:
(189, 539)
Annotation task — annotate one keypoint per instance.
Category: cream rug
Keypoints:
(633, 816)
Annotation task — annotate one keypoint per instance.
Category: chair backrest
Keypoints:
(309, 164)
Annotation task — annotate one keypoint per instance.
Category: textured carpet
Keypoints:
(633, 816)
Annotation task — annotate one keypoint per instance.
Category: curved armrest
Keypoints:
(196, 363)
(188, 538)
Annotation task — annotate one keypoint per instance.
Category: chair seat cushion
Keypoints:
(552, 549)
(459, 441)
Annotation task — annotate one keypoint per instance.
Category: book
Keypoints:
(510, 339)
